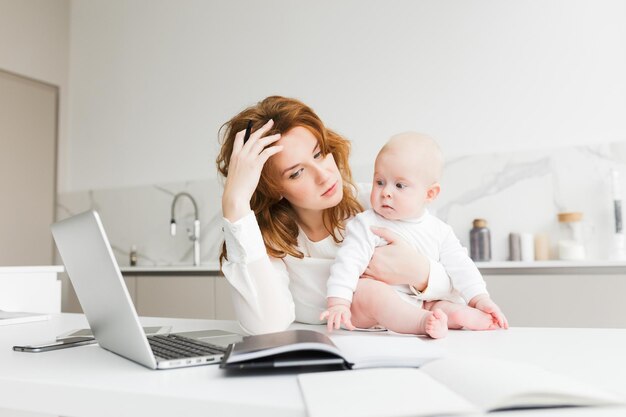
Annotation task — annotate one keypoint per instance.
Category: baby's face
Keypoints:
(399, 191)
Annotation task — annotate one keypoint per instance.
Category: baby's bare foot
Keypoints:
(436, 325)
(472, 319)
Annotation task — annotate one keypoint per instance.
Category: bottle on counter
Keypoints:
(618, 248)
(571, 241)
(542, 247)
(480, 241)
(515, 247)
(133, 255)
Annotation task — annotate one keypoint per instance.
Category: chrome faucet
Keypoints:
(193, 236)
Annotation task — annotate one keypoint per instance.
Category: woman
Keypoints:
(287, 195)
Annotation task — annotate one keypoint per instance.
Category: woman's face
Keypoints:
(309, 180)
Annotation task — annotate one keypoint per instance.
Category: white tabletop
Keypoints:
(89, 381)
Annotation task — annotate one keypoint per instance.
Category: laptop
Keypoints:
(98, 282)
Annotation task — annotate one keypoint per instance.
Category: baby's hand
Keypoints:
(484, 303)
(338, 313)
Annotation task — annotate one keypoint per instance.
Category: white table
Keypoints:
(89, 381)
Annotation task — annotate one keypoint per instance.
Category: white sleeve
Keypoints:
(259, 284)
(439, 286)
(464, 274)
(353, 256)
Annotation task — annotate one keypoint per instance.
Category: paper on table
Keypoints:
(384, 392)
(388, 350)
(499, 384)
(446, 386)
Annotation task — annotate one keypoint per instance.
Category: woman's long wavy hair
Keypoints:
(275, 215)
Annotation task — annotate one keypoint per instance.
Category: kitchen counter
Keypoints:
(552, 268)
(486, 268)
(179, 290)
(205, 269)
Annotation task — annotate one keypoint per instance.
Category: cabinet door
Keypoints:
(70, 299)
(176, 296)
(560, 300)
(131, 285)
(224, 309)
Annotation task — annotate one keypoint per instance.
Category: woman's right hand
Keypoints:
(244, 170)
(398, 262)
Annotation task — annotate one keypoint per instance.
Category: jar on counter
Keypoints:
(480, 241)
(133, 255)
(571, 241)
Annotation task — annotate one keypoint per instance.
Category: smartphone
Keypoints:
(59, 344)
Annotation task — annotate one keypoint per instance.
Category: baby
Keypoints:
(406, 178)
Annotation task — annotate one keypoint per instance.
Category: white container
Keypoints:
(571, 244)
(527, 244)
(542, 247)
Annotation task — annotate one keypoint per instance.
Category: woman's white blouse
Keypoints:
(270, 293)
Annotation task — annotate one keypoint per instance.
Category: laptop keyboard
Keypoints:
(172, 346)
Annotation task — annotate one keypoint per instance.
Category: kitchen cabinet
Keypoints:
(183, 292)
(560, 300)
(559, 293)
(183, 296)
(224, 309)
(176, 296)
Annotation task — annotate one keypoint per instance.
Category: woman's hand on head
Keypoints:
(244, 170)
(398, 262)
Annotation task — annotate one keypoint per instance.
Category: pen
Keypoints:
(248, 130)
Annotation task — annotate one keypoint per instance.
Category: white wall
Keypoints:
(34, 43)
(152, 81)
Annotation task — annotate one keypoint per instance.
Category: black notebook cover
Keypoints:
(288, 349)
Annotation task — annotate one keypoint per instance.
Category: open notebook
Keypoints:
(444, 386)
(308, 348)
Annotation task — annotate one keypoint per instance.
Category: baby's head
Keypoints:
(406, 176)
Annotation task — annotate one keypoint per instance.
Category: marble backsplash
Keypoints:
(523, 192)
(515, 192)
(141, 216)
